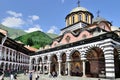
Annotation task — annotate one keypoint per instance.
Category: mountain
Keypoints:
(35, 39)
(52, 35)
(12, 33)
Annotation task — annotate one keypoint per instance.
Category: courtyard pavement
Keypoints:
(46, 77)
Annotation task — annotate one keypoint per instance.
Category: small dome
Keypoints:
(99, 19)
(78, 9)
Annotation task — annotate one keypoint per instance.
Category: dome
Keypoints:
(78, 9)
(99, 19)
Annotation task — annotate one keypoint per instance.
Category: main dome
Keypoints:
(78, 9)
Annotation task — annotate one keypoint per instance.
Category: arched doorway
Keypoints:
(76, 64)
(117, 63)
(39, 64)
(95, 65)
(45, 65)
(63, 65)
(33, 62)
(54, 64)
(2, 65)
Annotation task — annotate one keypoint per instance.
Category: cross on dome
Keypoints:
(78, 3)
(98, 13)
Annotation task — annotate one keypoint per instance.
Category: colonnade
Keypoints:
(102, 55)
(13, 59)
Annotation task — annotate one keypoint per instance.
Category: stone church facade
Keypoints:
(86, 47)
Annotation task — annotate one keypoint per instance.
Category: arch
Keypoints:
(39, 60)
(76, 63)
(95, 65)
(54, 63)
(2, 65)
(45, 59)
(63, 64)
(6, 66)
(117, 63)
(33, 61)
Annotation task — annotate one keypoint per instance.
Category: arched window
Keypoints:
(84, 36)
(79, 17)
(86, 18)
(73, 19)
(67, 39)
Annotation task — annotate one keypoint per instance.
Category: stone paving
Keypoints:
(46, 77)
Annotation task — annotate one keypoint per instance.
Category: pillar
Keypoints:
(69, 68)
(59, 63)
(84, 67)
(49, 67)
(109, 61)
(0, 52)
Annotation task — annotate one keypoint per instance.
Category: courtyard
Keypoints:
(46, 77)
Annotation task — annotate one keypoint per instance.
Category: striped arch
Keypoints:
(95, 56)
(93, 46)
(73, 51)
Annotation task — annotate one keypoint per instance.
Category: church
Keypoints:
(86, 47)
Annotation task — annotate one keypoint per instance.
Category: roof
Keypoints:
(31, 48)
(78, 9)
(99, 19)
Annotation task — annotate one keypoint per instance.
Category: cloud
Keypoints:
(34, 17)
(13, 13)
(13, 21)
(35, 28)
(52, 29)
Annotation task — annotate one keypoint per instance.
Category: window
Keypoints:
(84, 36)
(73, 19)
(79, 17)
(67, 39)
(86, 18)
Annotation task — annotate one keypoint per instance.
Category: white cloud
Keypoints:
(13, 22)
(13, 13)
(34, 17)
(35, 28)
(52, 29)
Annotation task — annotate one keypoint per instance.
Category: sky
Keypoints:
(49, 15)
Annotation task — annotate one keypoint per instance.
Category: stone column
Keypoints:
(49, 67)
(69, 65)
(0, 52)
(84, 67)
(5, 56)
(59, 62)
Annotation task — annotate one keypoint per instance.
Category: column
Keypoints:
(49, 67)
(69, 68)
(0, 52)
(5, 53)
(59, 62)
(84, 68)
(12, 55)
(43, 68)
(8, 54)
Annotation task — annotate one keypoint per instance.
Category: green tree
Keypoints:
(30, 42)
